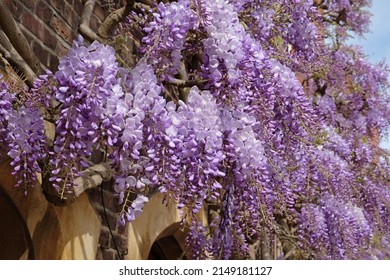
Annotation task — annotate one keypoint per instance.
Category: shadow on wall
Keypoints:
(56, 232)
(16, 242)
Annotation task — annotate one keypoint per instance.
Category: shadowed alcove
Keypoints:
(166, 248)
(15, 239)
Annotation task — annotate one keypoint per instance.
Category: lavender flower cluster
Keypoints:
(22, 136)
(90, 110)
(165, 39)
(335, 229)
(6, 100)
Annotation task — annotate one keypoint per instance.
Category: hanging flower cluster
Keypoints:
(22, 133)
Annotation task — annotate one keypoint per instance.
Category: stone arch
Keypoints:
(166, 248)
(158, 225)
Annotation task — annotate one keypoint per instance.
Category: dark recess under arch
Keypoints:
(15, 238)
(166, 248)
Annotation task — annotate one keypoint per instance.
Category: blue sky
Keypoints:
(377, 43)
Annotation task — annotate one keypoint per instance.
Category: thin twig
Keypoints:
(15, 59)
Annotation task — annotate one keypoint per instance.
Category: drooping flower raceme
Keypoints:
(22, 135)
(170, 25)
(90, 105)
(6, 99)
(322, 225)
(196, 126)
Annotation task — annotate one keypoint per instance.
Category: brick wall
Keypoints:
(107, 249)
(50, 26)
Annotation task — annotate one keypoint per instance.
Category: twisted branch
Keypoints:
(84, 27)
(114, 19)
(14, 46)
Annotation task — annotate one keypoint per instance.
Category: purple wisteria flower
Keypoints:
(170, 25)
(22, 136)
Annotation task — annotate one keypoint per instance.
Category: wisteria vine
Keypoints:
(257, 111)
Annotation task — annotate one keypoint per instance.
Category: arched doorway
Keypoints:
(166, 248)
(158, 233)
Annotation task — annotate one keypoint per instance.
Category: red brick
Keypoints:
(8, 3)
(49, 39)
(40, 52)
(99, 12)
(43, 12)
(78, 6)
(58, 5)
(16, 9)
(61, 28)
(61, 50)
(29, 3)
(32, 23)
(71, 17)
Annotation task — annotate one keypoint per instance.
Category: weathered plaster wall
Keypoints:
(57, 232)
